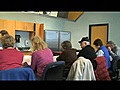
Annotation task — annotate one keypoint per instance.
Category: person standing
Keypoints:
(102, 51)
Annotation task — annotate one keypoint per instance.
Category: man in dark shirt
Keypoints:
(87, 50)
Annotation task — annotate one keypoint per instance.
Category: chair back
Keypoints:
(114, 63)
(101, 67)
(81, 69)
(53, 71)
(17, 74)
(118, 64)
(113, 70)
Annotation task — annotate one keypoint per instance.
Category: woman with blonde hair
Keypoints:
(41, 55)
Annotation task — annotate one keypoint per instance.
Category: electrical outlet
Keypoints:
(26, 42)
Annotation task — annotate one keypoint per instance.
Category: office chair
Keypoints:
(17, 74)
(113, 70)
(53, 71)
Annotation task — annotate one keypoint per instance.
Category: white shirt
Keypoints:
(100, 53)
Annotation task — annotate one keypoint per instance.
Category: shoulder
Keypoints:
(89, 47)
(103, 47)
(73, 49)
(100, 51)
(118, 48)
(18, 52)
(49, 49)
(35, 52)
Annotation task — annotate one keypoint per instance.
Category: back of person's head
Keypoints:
(98, 42)
(84, 39)
(4, 32)
(66, 45)
(111, 44)
(38, 43)
(7, 41)
(84, 42)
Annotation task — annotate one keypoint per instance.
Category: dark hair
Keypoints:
(66, 45)
(98, 42)
(3, 32)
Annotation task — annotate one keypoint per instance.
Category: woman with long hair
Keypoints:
(41, 55)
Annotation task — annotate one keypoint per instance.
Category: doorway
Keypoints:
(98, 31)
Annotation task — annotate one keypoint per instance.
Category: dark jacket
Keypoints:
(69, 56)
(87, 52)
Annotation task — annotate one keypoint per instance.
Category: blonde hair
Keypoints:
(38, 43)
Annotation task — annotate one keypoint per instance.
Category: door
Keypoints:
(98, 31)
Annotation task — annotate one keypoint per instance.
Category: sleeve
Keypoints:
(79, 54)
(118, 51)
(100, 53)
(33, 61)
(112, 54)
(62, 56)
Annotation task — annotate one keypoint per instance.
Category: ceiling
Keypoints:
(68, 15)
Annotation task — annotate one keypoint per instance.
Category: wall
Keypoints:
(79, 28)
(49, 23)
(24, 36)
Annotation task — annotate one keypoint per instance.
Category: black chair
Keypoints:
(53, 71)
(113, 70)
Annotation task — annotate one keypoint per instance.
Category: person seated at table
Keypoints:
(102, 51)
(9, 57)
(68, 55)
(87, 51)
(113, 49)
(41, 56)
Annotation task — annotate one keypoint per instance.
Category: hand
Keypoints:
(109, 48)
(25, 64)
(17, 48)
